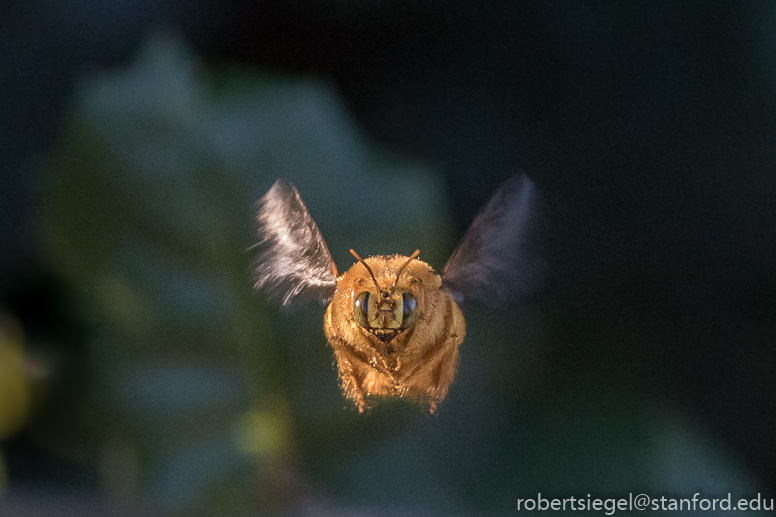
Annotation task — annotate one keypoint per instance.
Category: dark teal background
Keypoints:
(136, 137)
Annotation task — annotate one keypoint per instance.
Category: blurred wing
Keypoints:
(497, 259)
(295, 261)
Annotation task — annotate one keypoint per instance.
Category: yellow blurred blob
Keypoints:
(14, 387)
(263, 432)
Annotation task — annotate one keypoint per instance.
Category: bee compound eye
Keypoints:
(409, 310)
(361, 309)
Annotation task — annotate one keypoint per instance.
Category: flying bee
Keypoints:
(394, 324)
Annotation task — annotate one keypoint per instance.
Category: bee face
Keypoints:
(387, 307)
(385, 314)
(384, 307)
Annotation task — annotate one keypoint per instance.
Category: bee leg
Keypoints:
(350, 382)
(442, 374)
(356, 393)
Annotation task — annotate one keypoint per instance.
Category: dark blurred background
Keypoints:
(139, 374)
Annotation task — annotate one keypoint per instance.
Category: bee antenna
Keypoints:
(367, 268)
(412, 257)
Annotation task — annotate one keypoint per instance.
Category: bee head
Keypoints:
(386, 311)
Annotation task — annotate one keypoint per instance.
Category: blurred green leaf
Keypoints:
(149, 203)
